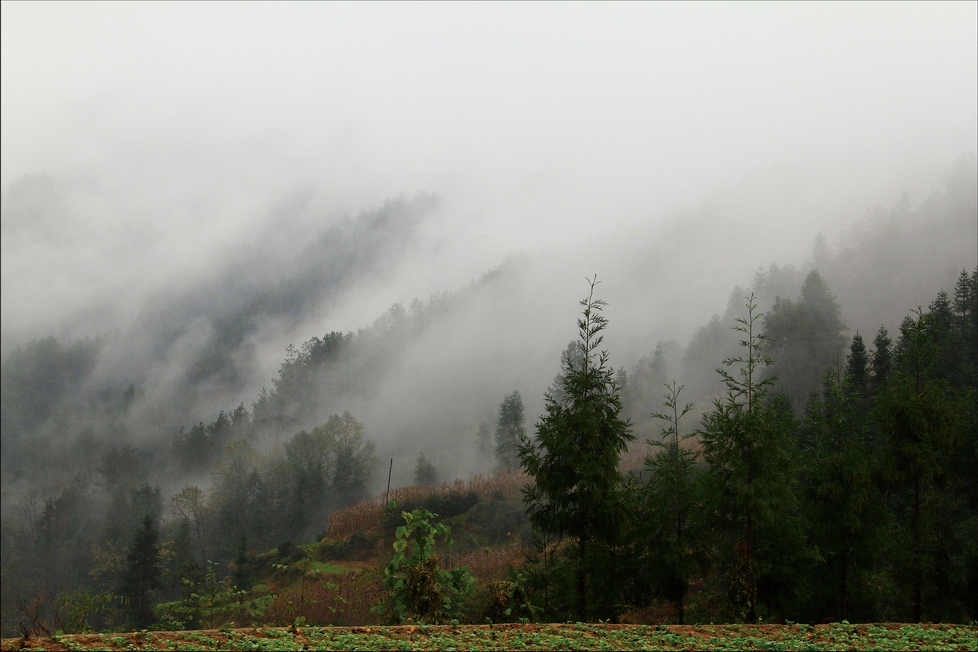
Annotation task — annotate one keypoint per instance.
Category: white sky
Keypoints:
(535, 122)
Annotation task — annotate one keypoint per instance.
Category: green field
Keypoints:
(833, 636)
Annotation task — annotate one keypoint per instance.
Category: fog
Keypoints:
(169, 166)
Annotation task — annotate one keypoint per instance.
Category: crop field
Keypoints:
(530, 637)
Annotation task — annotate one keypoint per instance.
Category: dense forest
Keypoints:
(809, 454)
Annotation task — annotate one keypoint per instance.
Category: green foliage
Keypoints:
(199, 448)
(290, 496)
(325, 469)
(418, 589)
(671, 502)
(748, 447)
(210, 603)
(142, 575)
(82, 608)
(510, 431)
(425, 472)
(641, 387)
(357, 544)
(882, 361)
(804, 337)
(838, 476)
(507, 601)
(577, 489)
(577, 636)
(918, 419)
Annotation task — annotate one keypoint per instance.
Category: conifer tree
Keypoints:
(672, 500)
(965, 307)
(804, 337)
(577, 489)
(424, 471)
(857, 367)
(509, 431)
(142, 575)
(746, 443)
(838, 475)
(882, 360)
(917, 418)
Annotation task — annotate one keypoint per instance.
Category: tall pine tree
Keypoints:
(672, 501)
(747, 445)
(917, 418)
(142, 575)
(577, 489)
(509, 431)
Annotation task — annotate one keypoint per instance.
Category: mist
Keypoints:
(207, 184)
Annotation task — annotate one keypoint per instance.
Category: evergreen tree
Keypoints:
(948, 361)
(483, 441)
(746, 442)
(917, 418)
(882, 361)
(578, 491)
(965, 307)
(857, 367)
(804, 337)
(838, 477)
(424, 471)
(671, 500)
(647, 377)
(510, 431)
(142, 575)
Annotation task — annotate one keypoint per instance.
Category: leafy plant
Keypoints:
(418, 589)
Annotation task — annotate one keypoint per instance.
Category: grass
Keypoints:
(537, 637)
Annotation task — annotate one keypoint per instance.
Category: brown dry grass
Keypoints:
(342, 600)
(489, 564)
(365, 516)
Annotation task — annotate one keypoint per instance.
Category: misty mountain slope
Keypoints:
(187, 349)
(884, 265)
(895, 260)
(423, 378)
(218, 319)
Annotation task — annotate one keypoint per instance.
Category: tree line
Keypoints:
(855, 500)
(861, 505)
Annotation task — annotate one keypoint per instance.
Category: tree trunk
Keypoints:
(917, 598)
(581, 580)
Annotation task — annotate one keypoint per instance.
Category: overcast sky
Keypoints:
(181, 126)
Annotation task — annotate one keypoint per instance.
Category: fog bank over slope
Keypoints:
(163, 142)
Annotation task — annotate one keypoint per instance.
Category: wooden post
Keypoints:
(387, 500)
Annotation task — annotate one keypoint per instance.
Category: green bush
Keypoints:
(418, 589)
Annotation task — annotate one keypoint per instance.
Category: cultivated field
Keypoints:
(531, 637)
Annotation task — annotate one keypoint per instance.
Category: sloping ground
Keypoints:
(366, 516)
(337, 581)
(531, 637)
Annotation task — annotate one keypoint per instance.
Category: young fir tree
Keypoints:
(577, 489)
(672, 501)
(510, 431)
(746, 442)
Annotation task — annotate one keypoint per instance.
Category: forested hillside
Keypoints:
(827, 471)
